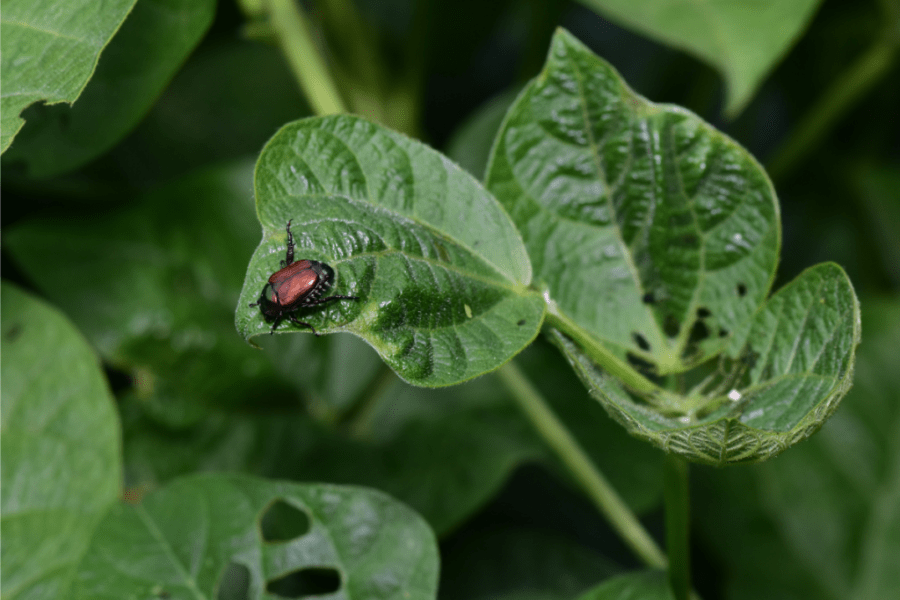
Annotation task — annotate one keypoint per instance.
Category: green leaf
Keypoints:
(639, 585)
(784, 377)
(154, 41)
(185, 540)
(743, 40)
(153, 287)
(444, 452)
(49, 52)
(60, 447)
(439, 268)
(657, 239)
(446, 463)
(823, 521)
(641, 220)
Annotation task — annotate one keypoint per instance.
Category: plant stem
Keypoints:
(561, 441)
(675, 490)
(847, 88)
(604, 358)
(308, 65)
(359, 416)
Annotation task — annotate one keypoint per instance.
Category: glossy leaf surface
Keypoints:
(50, 50)
(60, 447)
(439, 268)
(152, 44)
(179, 542)
(742, 40)
(641, 220)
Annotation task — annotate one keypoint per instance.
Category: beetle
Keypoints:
(296, 285)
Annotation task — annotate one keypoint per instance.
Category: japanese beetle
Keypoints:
(297, 285)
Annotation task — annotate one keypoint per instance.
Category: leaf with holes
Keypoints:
(439, 270)
(647, 225)
(657, 238)
(50, 50)
(239, 536)
(60, 448)
(781, 378)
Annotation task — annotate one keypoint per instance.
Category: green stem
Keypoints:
(847, 88)
(358, 418)
(582, 469)
(307, 64)
(675, 482)
(611, 363)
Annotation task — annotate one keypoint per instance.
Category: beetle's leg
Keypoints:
(297, 321)
(275, 324)
(329, 298)
(289, 257)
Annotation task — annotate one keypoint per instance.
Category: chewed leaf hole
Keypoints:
(648, 298)
(699, 332)
(314, 581)
(235, 583)
(723, 332)
(641, 341)
(671, 326)
(644, 366)
(741, 290)
(703, 312)
(281, 522)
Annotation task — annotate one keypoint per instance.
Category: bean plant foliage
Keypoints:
(440, 269)
(556, 294)
(653, 241)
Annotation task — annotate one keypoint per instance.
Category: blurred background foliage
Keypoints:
(144, 247)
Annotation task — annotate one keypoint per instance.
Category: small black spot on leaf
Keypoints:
(644, 366)
(741, 290)
(520, 322)
(648, 298)
(282, 522)
(314, 581)
(703, 312)
(641, 341)
(723, 332)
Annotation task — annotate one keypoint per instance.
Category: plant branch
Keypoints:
(606, 359)
(848, 87)
(677, 498)
(359, 416)
(296, 41)
(561, 441)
